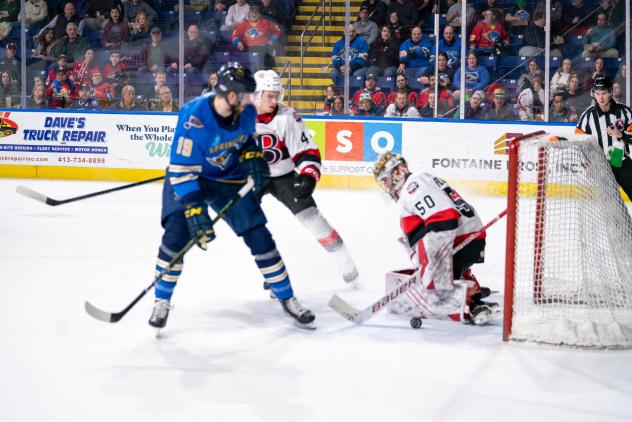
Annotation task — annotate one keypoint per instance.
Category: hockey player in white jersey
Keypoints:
(435, 219)
(294, 161)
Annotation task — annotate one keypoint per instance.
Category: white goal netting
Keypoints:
(572, 278)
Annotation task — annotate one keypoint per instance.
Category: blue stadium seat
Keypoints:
(571, 50)
(555, 61)
(512, 61)
(387, 83)
(613, 62)
(582, 64)
(243, 58)
(192, 18)
(510, 84)
(516, 39)
(415, 84)
(574, 39)
(356, 82)
(166, 19)
(222, 57)
(489, 62)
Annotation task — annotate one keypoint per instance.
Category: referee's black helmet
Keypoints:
(233, 77)
(602, 83)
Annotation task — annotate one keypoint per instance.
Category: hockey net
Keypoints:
(569, 246)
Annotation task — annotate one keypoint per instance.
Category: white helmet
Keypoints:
(268, 80)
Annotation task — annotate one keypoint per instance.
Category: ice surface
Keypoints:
(228, 353)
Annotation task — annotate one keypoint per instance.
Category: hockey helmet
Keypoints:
(390, 172)
(233, 77)
(269, 80)
(602, 83)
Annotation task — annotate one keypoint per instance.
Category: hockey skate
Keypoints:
(160, 313)
(483, 312)
(303, 316)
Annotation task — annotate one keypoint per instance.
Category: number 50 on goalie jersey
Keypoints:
(435, 218)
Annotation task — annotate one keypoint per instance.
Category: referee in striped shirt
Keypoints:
(608, 120)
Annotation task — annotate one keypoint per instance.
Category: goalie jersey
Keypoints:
(434, 219)
(287, 144)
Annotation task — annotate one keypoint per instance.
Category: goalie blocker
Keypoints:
(435, 220)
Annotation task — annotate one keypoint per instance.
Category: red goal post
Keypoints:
(568, 266)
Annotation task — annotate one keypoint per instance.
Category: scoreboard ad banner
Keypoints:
(122, 146)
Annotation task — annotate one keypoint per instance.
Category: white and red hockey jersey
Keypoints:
(434, 219)
(287, 144)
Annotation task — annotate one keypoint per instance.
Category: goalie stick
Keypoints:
(112, 317)
(358, 316)
(23, 190)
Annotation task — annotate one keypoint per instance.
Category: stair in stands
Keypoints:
(307, 97)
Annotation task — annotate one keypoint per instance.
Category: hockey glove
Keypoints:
(304, 186)
(199, 223)
(254, 165)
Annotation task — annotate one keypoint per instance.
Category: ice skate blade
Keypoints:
(309, 326)
(160, 333)
(486, 316)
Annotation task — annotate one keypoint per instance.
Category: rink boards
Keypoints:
(128, 147)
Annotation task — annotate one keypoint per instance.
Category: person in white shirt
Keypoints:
(401, 107)
(236, 13)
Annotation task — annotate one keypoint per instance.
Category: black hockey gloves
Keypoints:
(254, 165)
(304, 186)
(199, 223)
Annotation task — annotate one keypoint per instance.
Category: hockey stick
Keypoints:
(54, 202)
(357, 316)
(101, 315)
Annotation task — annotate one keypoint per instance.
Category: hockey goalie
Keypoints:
(435, 219)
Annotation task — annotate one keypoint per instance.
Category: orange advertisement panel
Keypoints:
(344, 141)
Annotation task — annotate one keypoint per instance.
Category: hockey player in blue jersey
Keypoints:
(213, 152)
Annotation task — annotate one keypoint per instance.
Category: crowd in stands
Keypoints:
(124, 54)
(393, 59)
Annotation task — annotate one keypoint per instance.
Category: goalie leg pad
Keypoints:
(421, 301)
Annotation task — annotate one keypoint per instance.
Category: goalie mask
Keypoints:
(391, 172)
(268, 80)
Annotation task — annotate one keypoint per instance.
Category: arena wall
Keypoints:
(130, 147)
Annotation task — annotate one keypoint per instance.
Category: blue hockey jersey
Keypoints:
(204, 148)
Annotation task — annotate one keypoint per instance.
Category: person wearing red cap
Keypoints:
(370, 87)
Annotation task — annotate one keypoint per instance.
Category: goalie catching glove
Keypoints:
(199, 223)
(253, 164)
(304, 186)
